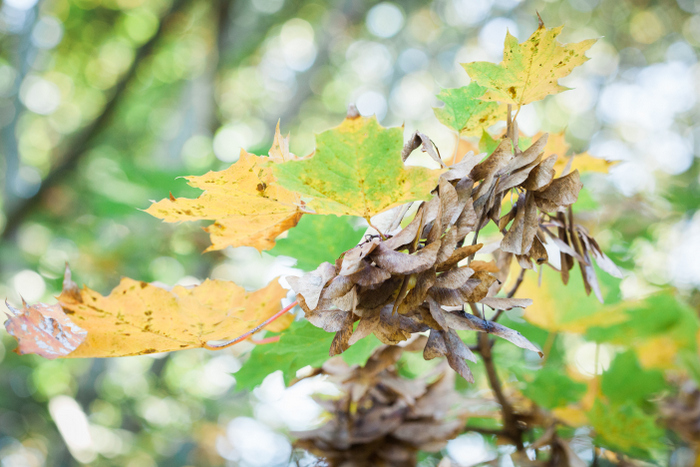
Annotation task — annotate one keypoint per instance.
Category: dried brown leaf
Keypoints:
(328, 320)
(473, 290)
(488, 266)
(495, 162)
(453, 278)
(352, 261)
(561, 192)
(402, 263)
(540, 176)
(369, 275)
(436, 346)
(498, 303)
(518, 239)
(437, 313)
(367, 325)
(466, 321)
(458, 255)
(538, 252)
(341, 340)
(310, 285)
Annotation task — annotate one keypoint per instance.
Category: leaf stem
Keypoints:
(252, 331)
(267, 340)
(375, 228)
(516, 286)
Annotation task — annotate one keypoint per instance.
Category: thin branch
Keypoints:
(510, 423)
(252, 331)
(516, 286)
(512, 292)
(82, 143)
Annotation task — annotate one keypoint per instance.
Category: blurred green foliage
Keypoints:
(103, 103)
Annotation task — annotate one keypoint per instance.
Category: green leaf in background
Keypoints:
(625, 428)
(465, 113)
(302, 344)
(585, 202)
(626, 380)
(487, 144)
(316, 239)
(552, 388)
(660, 314)
(566, 308)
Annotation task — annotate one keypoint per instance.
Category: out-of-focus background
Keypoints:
(103, 103)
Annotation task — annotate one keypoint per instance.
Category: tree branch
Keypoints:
(510, 423)
(84, 141)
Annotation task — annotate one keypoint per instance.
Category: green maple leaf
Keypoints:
(300, 345)
(465, 113)
(529, 71)
(316, 239)
(357, 171)
(553, 388)
(626, 380)
(625, 428)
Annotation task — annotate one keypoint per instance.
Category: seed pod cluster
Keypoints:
(419, 278)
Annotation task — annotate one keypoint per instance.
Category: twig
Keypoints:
(375, 228)
(512, 292)
(83, 142)
(510, 423)
(516, 286)
(252, 331)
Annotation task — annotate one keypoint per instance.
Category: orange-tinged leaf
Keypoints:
(463, 148)
(44, 330)
(249, 207)
(357, 170)
(141, 318)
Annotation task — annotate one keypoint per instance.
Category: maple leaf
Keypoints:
(465, 113)
(529, 71)
(357, 170)
(140, 318)
(249, 207)
(583, 162)
(44, 330)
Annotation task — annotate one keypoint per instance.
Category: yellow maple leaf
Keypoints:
(529, 71)
(583, 162)
(248, 206)
(560, 308)
(657, 352)
(141, 318)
